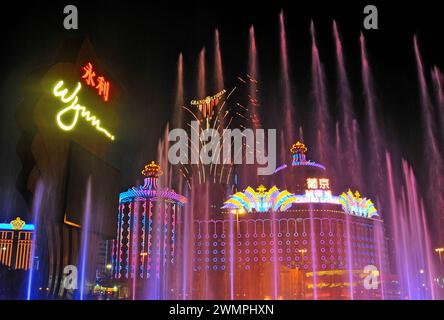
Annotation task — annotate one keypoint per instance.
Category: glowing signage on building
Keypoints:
(207, 105)
(260, 200)
(355, 204)
(299, 151)
(17, 224)
(317, 196)
(95, 81)
(314, 184)
(73, 108)
(16, 244)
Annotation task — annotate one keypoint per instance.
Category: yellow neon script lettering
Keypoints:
(75, 109)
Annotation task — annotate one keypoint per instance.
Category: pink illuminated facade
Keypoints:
(298, 241)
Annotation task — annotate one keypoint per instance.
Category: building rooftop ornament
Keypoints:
(299, 151)
(261, 189)
(152, 170)
(151, 189)
(207, 104)
(260, 201)
(17, 224)
(354, 204)
(275, 200)
(298, 147)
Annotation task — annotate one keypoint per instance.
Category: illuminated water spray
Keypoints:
(231, 255)
(412, 243)
(432, 154)
(320, 100)
(438, 82)
(37, 201)
(253, 74)
(85, 241)
(218, 62)
(201, 87)
(350, 155)
(178, 114)
(288, 103)
(374, 135)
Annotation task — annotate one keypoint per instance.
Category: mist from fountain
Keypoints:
(374, 134)
(321, 111)
(85, 241)
(412, 243)
(231, 255)
(180, 99)
(437, 79)
(338, 154)
(253, 100)
(187, 272)
(381, 256)
(253, 74)
(432, 154)
(36, 208)
(274, 231)
(349, 155)
(219, 74)
(313, 253)
(201, 75)
(286, 86)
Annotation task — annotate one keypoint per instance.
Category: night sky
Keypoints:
(138, 42)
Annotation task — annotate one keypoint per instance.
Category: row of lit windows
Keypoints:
(305, 266)
(357, 257)
(288, 250)
(281, 243)
(280, 235)
(280, 258)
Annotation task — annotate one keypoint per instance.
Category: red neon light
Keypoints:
(103, 88)
(89, 74)
(91, 78)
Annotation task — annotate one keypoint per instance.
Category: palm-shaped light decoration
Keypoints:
(260, 200)
(354, 204)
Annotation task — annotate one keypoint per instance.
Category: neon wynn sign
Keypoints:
(75, 110)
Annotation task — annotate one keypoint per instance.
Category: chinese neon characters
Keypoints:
(95, 81)
(314, 183)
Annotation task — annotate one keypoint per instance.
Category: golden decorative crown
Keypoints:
(261, 189)
(17, 224)
(298, 147)
(152, 170)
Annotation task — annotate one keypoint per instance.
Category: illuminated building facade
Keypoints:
(298, 242)
(146, 234)
(67, 120)
(16, 244)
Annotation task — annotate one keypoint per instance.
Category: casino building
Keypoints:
(292, 239)
(16, 244)
(295, 241)
(68, 122)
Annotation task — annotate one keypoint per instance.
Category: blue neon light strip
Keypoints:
(26, 227)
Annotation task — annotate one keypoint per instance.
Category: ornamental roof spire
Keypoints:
(298, 147)
(152, 170)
